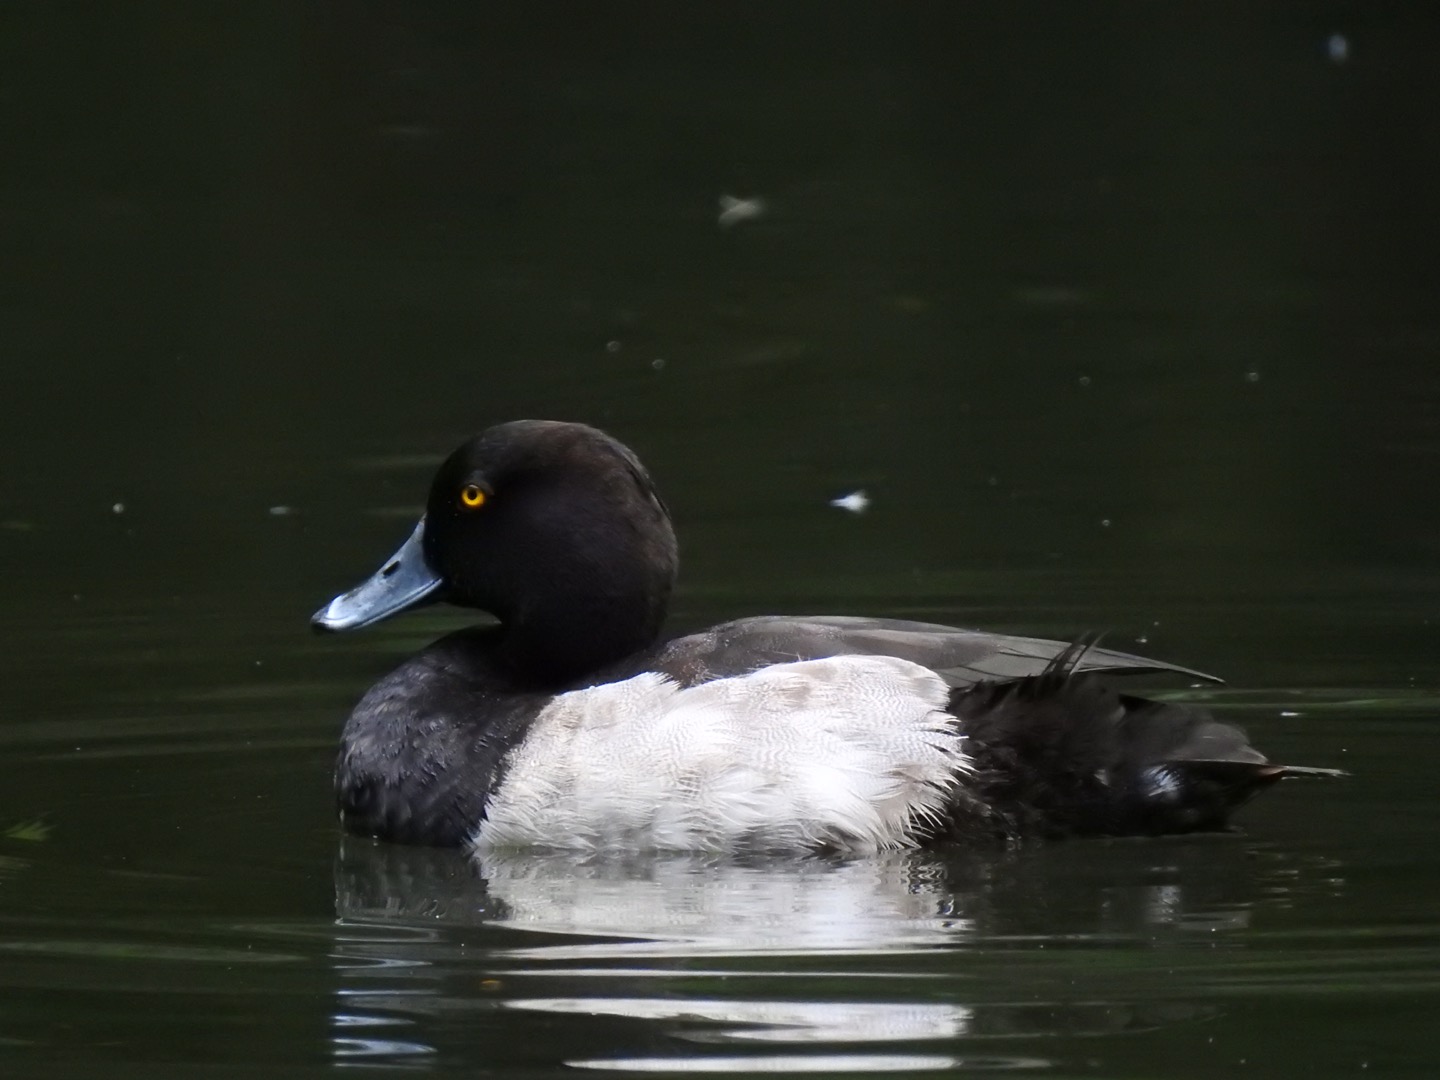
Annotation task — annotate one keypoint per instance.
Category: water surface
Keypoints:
(1121, 316)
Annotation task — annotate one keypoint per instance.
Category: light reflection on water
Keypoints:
(707, 907)
(932, 955)
(815, 1063)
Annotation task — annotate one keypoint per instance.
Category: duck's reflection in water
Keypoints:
(941, 956)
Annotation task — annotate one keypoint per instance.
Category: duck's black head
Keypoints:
(554, 528)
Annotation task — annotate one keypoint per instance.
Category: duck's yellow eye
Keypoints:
(472, 497)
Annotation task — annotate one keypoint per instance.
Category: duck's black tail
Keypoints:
(1062, 753)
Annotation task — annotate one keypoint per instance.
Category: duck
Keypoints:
(570, 721)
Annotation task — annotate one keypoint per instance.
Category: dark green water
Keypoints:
(1123, 315)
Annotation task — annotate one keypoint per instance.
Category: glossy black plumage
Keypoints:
(1062, 753)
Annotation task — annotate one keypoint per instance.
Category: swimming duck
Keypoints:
(573, 724)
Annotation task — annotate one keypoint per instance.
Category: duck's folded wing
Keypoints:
(962, 657)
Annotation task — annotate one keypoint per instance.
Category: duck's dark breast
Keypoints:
(425, 747)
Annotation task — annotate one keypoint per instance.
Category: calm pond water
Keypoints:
(1122, 316)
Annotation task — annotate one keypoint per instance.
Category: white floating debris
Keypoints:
(1288, 712)
(733, 211)
(658, 363)
(857, 502)
(118, 508)
(612, 347)
(281, 511)
(1252, 376)
(1104, 523)
(1338, 48)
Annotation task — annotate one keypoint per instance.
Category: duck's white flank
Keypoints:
(854, 752)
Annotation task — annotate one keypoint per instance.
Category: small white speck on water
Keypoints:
(1337, 47)
(857, 502)
(118, 508)
(612, 347)
(1288, 712)
(1252, 376)
(733, 210)
(281, 511)
(1084, 380)
(1142, 640)
(1104, 523)
(658, 363)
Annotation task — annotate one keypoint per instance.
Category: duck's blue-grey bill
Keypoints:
(404, 582)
